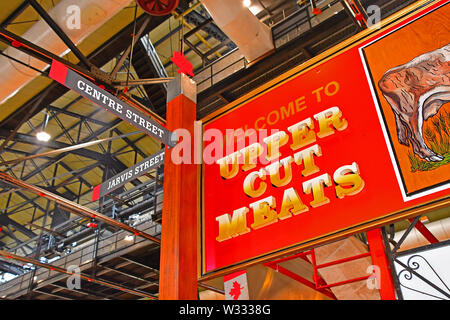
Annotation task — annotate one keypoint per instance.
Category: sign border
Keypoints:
(425, 6)
(407, 196)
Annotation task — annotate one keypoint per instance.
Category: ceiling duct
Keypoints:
(253, 37)
(77, 18)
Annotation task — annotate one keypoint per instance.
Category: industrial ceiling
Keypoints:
(29, 222)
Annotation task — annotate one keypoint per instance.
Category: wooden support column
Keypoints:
(379, 259)
(178, 275)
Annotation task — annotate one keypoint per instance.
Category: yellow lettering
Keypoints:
(318, 96)
(300, 104)
(234, 226)
(250, 154)
(302, 134)
(329, 118)
(317, 186)
(257, 127)
(263, 212)
(334, 84)
(274, 142)
(291, 205)
(287, 113)
(249, 184)
(225, 171)
(274, 171)
(275, 120)
(348, 180)
(306, 157)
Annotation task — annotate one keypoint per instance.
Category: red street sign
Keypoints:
(339, 162)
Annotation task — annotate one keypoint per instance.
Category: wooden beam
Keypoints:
(178, 275)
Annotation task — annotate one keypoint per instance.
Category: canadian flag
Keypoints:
(236, 286)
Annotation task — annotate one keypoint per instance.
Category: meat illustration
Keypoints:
(416, 91)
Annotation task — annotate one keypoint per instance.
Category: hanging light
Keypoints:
(43, 135)
(247, 3)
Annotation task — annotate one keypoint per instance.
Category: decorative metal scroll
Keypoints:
(418, 275)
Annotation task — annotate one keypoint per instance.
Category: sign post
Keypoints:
(178, 275)
(384, 277)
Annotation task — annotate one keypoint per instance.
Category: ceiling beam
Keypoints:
(17, 12)
(61, 34)
(75, 115)
(53, 144)
(99, 57)
(98, 281)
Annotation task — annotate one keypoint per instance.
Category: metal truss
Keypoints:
(106, 160)
(318, 283)
(413, 267)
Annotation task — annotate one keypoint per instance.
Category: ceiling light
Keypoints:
(43, 136)
(247, 3)
(129, 238)
(255, 9)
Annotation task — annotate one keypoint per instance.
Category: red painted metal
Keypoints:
(316, 11)
(358, 15)
(424, 231)
(16, 44)
(302, 280)
(319, 284)
(158, 7)
(344, 282)
(379, 259)
(316, 267)
(332, 263)
(314, 264)
(301, 255)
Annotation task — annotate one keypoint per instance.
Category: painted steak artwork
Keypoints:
(416, 91)
(408, 70)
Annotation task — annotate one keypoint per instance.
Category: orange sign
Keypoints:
(309, 157)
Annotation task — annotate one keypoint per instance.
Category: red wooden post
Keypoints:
(178, 274)
(379, 259)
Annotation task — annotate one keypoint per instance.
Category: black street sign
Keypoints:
(128, 175)
(111, 103)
